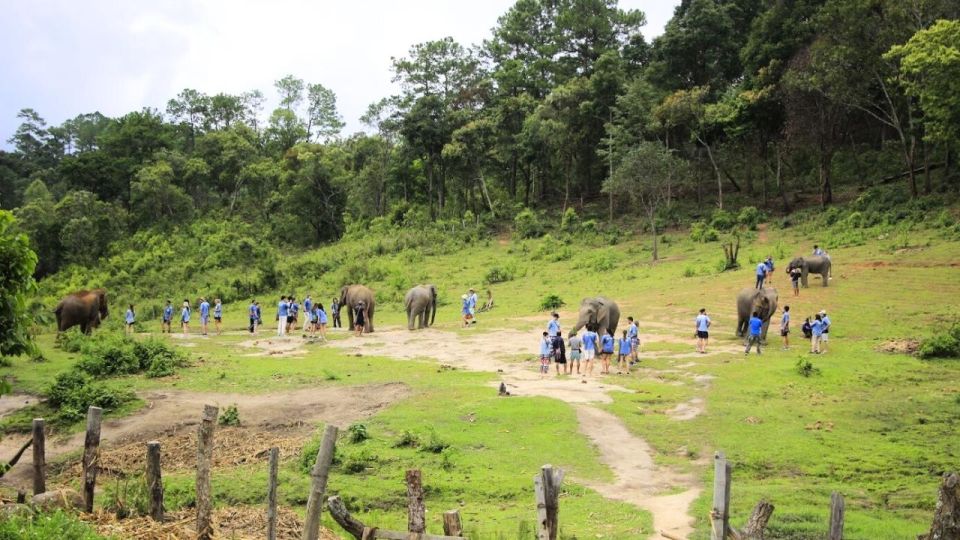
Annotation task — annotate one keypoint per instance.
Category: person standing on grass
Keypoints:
(756, 325)
(259, 314)
(769, 264)
(204, 315)
(761, 274)
(545, 352)
(625, 352)
(591, 342)
(321, 320)
(553, 326)
(785, 327)
(130, 318)
(358, 320)
(218, 315)
(308, 307)
(606, 351)
(293, 314)
(576, 346)
(633, 333)
(702, 325)
(185, 317)
(816, 331)
(473, 306)
(167, 317)
(465, 310)
(335, 311)
(795, 274)
(254, 317)
(825, 337)
(283, 309)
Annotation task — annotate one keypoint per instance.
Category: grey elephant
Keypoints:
(814, 264)
(353, 294)
(421, 305)
(763, 302)
(599, 313)
(82, 308)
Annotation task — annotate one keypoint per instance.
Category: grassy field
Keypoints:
(879, 427)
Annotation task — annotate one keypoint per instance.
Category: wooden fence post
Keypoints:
(39, 457)
(91, 455)
(416, 511)
(154, 481)
(452, 526)
(720, 515)
(272, 494)
(208, 423)
(320, 474)
(836, 516)
(946, 516)
(546, 487)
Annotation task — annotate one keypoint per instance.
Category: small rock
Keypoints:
(66, 499)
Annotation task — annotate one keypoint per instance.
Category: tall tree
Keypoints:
(16, 283)
(322, 116)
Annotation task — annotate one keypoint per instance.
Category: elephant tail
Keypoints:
(433, 309)
(57, 312)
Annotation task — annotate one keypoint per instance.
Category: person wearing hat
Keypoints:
(826, 330)
(358, 320)
(465, 311)
(473, 306)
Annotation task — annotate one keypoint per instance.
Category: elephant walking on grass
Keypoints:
(814, 264)
(763, 302)
(599, 313)
(82, 308)
(350, 296)
(421, 305)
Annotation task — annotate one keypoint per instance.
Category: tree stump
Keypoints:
(946, 517)
(757, 524)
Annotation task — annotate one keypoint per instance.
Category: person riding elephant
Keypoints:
(83, 308)
(763, 302)
(598, 314)
(814, 264)
(350, 296)
(421, 305)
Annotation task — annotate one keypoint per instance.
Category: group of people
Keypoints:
(764, 272)
(587, 348)
(314, 314)
(186, 312)
(816, 330)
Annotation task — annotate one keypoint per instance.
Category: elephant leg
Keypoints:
(826, 278)
(369, 327)
(410, 318)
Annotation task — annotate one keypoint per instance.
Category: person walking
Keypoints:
(321, 316)
(795, 274)
(167, 317)
(702, 325)
(756, 325)
(335, 311)
(185, 317)
(254, 318)
(559, 353)
(308, 307)
(204, 315)
(816, 332)
(545, 352)
(283, 310)
(785, 328)
(769, 264)
(359, 320)
(576, 346)
(624, 354)
(825, 337)
(591, 342)
(633, 333)
(259, 314)
(606, 351)
(761, 274)
(465, 311)
(473, 306)
(218, 315)
(131, 319)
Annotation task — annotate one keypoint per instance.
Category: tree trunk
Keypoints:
(757, 524)
(826, 190)
(946, 517)
(927, 184)
(716, 171)
(653, 229)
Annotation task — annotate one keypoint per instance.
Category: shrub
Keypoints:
(748, 217)
(357, 433)
(73, 392)
(701, 232)
(357, 462)
(526, 224)
(569, 221)
(806, 368)
(407, 439)
(722, 220)
(230, 416)
(551, 301)
(72, 340)
(435, 445)
(116, 354)
(945, 344)
(590, 226)
(498, 274)
(47, 525)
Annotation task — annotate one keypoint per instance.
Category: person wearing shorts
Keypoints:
(559, 353)
(633, 334)
(795, 274)
(131, 319)
(545, 353)
(702, 330)
(625, 353)
(606, 351)
(204, 315)
(292, 315)
(321, 317)
(167, 317)
(576, 346)
(254, 318)
(283, 309)
(218, 315)
(185, 317)
(826, 330)
(465, 311)
(590, 343)
(785, 327)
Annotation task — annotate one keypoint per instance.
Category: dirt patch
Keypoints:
(900, 346)
(13, 402)
(169, 412)
(277, 346)
(688, 410)
(762, 236)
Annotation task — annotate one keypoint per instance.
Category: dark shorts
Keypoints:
(560, 359)
(291, 318)
(703, 335)
(218, 319)
(784, 333)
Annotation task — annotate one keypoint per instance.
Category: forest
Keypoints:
(773, 104)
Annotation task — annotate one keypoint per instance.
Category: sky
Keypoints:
(64, 57)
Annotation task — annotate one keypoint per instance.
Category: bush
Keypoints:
(550, 302)
(944, 344)
(109, 355)
(74, 391)
(72, 340)
(806, 368)
(498, 274)
(44, 526)
(526, 224)
(407, 439)
(748, 217)
(590, 226)
(701, 232)
(230, 416)
(570, 220)
(358, 461)
(722, 220)
(435, 445)
(357, 433)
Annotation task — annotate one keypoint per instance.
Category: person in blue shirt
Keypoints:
(756, 326)
(335, 311)
(130, 318)
(185, 317)
(606, 351)
(252, 312)
(633, 332)
(817, 251)
(167, 317)
(761, 274)
(321, 320)
(546, 351)
(308, 304)
(204, 315)
(553, 327)
(293, 314)
(591, 342)
(825, 337)
(259, 314)
(702, 325)
(769, 264)
(282, 313)
(816, 328)
(465, 310)
(472, 297)
(625, 352)
(785, 327)
(218, 315)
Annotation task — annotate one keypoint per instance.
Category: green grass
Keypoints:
(887, 423)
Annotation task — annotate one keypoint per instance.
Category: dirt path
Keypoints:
(172, 410)
(638, 480)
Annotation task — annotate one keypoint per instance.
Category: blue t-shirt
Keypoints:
(294, 309)
(632, 331)
(218, 310)
(769, 264)
(756, 324)
(283, 308)
(308, 305)
(703, 323)
(826, 324)
(130, 316)
(626, 347)
(785, 320)
(321, 316)
(185, 314)
(817, 328)
(466, 306)
(762, 269)
(204, 310)
(590, 341)
(606, 343)
(553, 327)
(167, 313)
(253, 311)
(544, 347)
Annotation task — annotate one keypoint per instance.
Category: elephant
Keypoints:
(814, 264)
(84, 308)
(599, 313)
(421, 305)
(763, 302)
(350, 295)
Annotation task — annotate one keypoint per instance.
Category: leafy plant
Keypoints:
(944, 344)
(74, 391)
(498, 274)
(749, 217)
(526, 224)
(230, 416)
(435, 444)
(407, 439)
(357, 433)
(806, 368)
(551, 301)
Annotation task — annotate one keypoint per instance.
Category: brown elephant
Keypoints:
(84, 308)
(350, 296)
